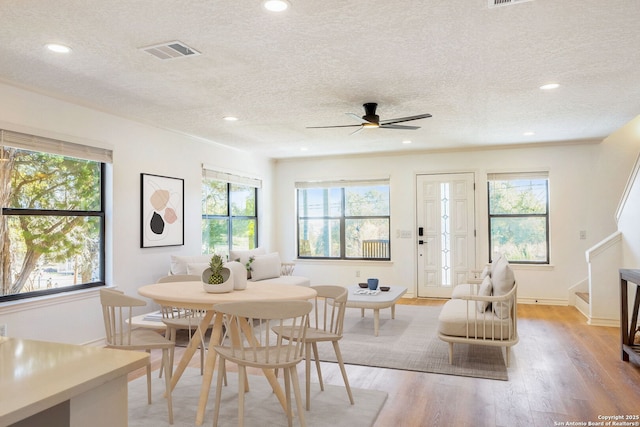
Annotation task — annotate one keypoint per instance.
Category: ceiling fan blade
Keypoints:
(404, 119)
(399, 127)
(356, 117)
(356, 131)
(326, 127)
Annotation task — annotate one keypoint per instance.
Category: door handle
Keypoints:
(421, 242)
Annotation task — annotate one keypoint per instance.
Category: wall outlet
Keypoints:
(3, 330)
(357, 273)
(583, 234)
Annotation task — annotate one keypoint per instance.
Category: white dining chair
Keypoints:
(250, 344)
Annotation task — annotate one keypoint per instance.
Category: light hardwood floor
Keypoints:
(562, 371)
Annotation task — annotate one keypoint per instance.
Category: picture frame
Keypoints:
(161, 211)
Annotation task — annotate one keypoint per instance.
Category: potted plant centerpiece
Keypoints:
(217, 278)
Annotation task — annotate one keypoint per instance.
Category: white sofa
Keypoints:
(265, 268)
(483, 313)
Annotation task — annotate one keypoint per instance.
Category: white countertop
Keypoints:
(36, 375)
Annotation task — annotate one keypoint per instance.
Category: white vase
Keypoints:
(226, 286)
(239, 275)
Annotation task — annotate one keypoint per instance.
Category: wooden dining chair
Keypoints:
(325, 325)
(177, 319)
(117, 311)
(250, 344)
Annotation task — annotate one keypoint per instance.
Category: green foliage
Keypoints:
(518, 223)
(325, 226)
(50, 182)
(229, 212)
(216, 264)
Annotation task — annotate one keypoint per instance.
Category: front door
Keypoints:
(446, 232)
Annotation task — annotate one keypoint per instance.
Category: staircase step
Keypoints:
(583, 296)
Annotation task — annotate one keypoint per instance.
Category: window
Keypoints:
(519, 216)
(229, 212)
(344, 220)
(53, 221)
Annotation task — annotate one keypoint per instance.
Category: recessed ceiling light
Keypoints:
(230, 118)
(58, 48)
(304, 149)
(276, 5)
(529, 133)
(550, 86)
(406, 141)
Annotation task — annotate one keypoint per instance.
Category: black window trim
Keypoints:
(545, 215)
(342, 218)
(230, 217)
(54, 212)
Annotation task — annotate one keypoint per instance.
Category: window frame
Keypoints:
(342, 219)
(514, 176)
(8, 211)
(229, 217)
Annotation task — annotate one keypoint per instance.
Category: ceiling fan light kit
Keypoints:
(372, 120)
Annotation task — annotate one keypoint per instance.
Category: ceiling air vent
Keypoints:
(498, 3)
(170, 50)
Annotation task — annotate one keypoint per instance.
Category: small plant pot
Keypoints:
(226, 286)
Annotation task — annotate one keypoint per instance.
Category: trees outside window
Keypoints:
(229, 217)
(344, 220)
(519, 216)
(52, 223)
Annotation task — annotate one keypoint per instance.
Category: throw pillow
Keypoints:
(494, 261)
(485, 290)
(197, 268)
(244, 256)
(265, 266)
(486, 272)
(179, 263)
(503, 280)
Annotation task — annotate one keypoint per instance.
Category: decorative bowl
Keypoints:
(218, 289)
(226, 286)
(363, 285)
(384, 288)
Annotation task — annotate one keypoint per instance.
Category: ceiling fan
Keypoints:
(372, 120)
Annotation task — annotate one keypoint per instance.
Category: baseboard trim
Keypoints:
(543, 301)
(613, 323)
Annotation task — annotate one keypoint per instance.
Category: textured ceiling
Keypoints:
(475, 69)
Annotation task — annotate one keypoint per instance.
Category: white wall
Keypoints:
(629, 215)
(586, 183)
(578, 200)
(137, 148)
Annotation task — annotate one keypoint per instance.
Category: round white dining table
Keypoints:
(192, 295)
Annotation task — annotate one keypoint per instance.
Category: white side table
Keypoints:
(375, 302)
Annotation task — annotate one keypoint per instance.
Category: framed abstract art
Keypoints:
(162, 211)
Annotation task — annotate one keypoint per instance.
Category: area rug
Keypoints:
(329, 407)
(410, 342)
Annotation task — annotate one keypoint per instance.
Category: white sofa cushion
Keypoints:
(179, 263)
(243, 256)
(486, 271)
(503, 280)
(286, 280)
(485, 290)
(453, 321)
(463, 290)
(265, 266)
(197, 268)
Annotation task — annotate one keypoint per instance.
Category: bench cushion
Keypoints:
(463, 290)
(453, 321)
(286, 280)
